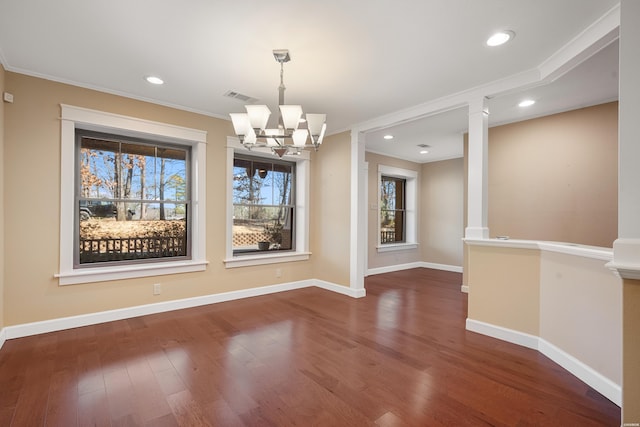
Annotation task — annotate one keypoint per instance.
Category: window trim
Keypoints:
(77, 117)
(411, 208)
(301, 252)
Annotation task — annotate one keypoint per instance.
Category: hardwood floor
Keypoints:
(398, 357)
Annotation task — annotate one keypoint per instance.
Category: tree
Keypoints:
(246, 186)
(89, 179)
(179, 186)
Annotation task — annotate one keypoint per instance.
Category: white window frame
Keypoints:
(411, 208)
(301, 222)
(83, 118)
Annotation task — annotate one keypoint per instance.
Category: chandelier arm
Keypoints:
(281, 90)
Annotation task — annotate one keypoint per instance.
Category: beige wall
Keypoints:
(555, 177)
(442, 212)
(504, 287)
(386, 259)
(331, 209)
(580, 306)
(32, 202)
(2, 108)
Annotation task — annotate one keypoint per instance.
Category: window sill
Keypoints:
(391, 247)
(260, 259)
(89, 275)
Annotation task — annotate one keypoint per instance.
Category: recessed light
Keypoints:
(526, 103)
(388, 137)
(500, 37)
(424, 151)
(154, 80)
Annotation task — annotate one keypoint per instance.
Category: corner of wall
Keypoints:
(2, 119)
(330, 226)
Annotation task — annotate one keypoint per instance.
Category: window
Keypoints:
(392, 209)
(267, 206)
(397, 209)
(101, 182)
(132, 198)
(263, 205)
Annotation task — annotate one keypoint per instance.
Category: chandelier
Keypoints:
(288, 137)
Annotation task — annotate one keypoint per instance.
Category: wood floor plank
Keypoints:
(93, 409)
(186, 411)
(62, 404)
(399, 356)
(30, 409)
(150, 401)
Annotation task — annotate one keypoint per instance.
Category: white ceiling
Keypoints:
(592, 82)
(356, 60)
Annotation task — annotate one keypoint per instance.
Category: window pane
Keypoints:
(261, 182)
(121, 170)
(263, 204)
(388, 194)
(262, 228)
(132, 200)
(392, 203)
(104, 239)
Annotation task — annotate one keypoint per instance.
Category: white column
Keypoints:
(626, 249)
(477, 188)
(358, 253)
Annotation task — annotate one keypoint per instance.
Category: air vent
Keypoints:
(423, 146)
(240, 97)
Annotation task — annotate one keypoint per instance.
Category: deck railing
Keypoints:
(101, 250)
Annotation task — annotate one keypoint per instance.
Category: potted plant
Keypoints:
(274, 235)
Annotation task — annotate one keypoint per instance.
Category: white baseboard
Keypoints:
(587, 374)
(504, 334)
(419, 264)
(579, 369)
(34, 328)
(354, 293)
(392, 268)
(444, 267)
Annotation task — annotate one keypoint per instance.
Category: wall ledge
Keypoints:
(625, 271)
(626, 258)
(595, 252)
(580, 370)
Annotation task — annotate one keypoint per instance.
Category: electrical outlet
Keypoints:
(278, 272)
(157, 288)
